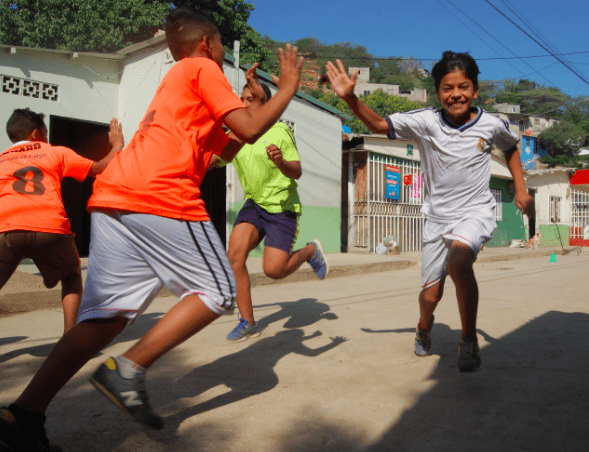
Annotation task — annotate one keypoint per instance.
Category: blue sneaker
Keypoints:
(423, 340)
(319, 261)
(243, 330)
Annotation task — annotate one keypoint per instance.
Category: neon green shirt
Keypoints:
(261, 179)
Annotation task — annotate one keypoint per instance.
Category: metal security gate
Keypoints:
(376, 216)
(579, 228)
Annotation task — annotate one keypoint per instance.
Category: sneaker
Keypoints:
(423, 340)
(319, 261)
(18, 437)
(243, 330)
(126, 393)
(468, 359)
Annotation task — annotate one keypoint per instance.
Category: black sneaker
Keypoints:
(423, 340)
(126, 393)
(468, 360)
(18, 436)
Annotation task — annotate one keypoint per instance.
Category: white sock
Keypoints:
(129, 369)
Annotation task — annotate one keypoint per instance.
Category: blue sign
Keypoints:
(528, 151)
(393, 178)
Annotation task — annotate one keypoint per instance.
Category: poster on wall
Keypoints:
(393, 181)
(528, 151)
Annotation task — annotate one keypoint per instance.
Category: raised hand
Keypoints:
(115, 135)
(290, 69)
(338, 339)
(341, 83)
(254, 85)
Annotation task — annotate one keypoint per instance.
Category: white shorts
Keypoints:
(438, 238)
(132, 255)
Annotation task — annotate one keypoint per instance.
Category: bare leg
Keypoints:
(71, 294)
(467, 291)
(69, 355)
(279, 264)
(428, 301)
(184, 320)
(244, 238)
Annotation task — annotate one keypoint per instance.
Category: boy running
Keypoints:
(150, 227)
(33, 222)
(267, 171)
(455, 144)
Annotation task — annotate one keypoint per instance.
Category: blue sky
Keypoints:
(425, 28)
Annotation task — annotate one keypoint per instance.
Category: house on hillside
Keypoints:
(364, 87)
(79, 93)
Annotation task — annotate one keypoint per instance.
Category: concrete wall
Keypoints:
(551, 183)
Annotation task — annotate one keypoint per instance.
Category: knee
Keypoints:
(236, 259)
(431, 296)
(274, 271)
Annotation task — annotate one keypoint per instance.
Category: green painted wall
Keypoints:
(512, 226)
(550, 235)
(323, 223)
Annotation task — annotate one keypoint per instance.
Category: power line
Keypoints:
(565, 64)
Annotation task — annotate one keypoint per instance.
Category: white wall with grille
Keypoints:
(579, 226)
(376, 216)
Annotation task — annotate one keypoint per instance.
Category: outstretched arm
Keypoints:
(343, 86)
(249, 125)
(523, 200)
(115, 136)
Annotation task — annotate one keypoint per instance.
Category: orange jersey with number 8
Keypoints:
(30, 186)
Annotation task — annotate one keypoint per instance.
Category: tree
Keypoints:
(80, 25)
(564, 138)
(109, 25)
(379, 101)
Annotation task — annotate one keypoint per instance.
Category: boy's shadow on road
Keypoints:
(250, 371)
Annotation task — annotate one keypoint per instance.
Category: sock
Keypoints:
(128, 369)
(27, 417)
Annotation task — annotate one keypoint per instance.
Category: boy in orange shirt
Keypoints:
(150, 228)
(33, 222)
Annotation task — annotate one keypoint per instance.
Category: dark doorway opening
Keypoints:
(90, 140)
(532, 215)
(213, 189)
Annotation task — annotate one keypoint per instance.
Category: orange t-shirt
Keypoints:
(30, 186)
(161, 169)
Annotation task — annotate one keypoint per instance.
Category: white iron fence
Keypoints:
(579, 229)
(376, 216)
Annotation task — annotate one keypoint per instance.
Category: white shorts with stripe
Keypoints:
(132, 256)
(438, 238)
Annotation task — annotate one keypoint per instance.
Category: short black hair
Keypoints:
(452, 61)
(185, 27)
(22, 122)
(264, 87)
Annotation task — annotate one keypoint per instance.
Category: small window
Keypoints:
(555, 209)
(498, 195)
(366, 93)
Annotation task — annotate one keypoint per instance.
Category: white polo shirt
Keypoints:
(455, 160)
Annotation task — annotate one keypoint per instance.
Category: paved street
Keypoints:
(334, 370)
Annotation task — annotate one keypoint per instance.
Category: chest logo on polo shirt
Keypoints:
(483, 146)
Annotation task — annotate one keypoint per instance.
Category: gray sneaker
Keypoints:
(423, 340)
(243, 330)
(468, 360)
(126, 393)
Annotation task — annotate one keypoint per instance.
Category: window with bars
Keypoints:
(498, 195)
(555, 209)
